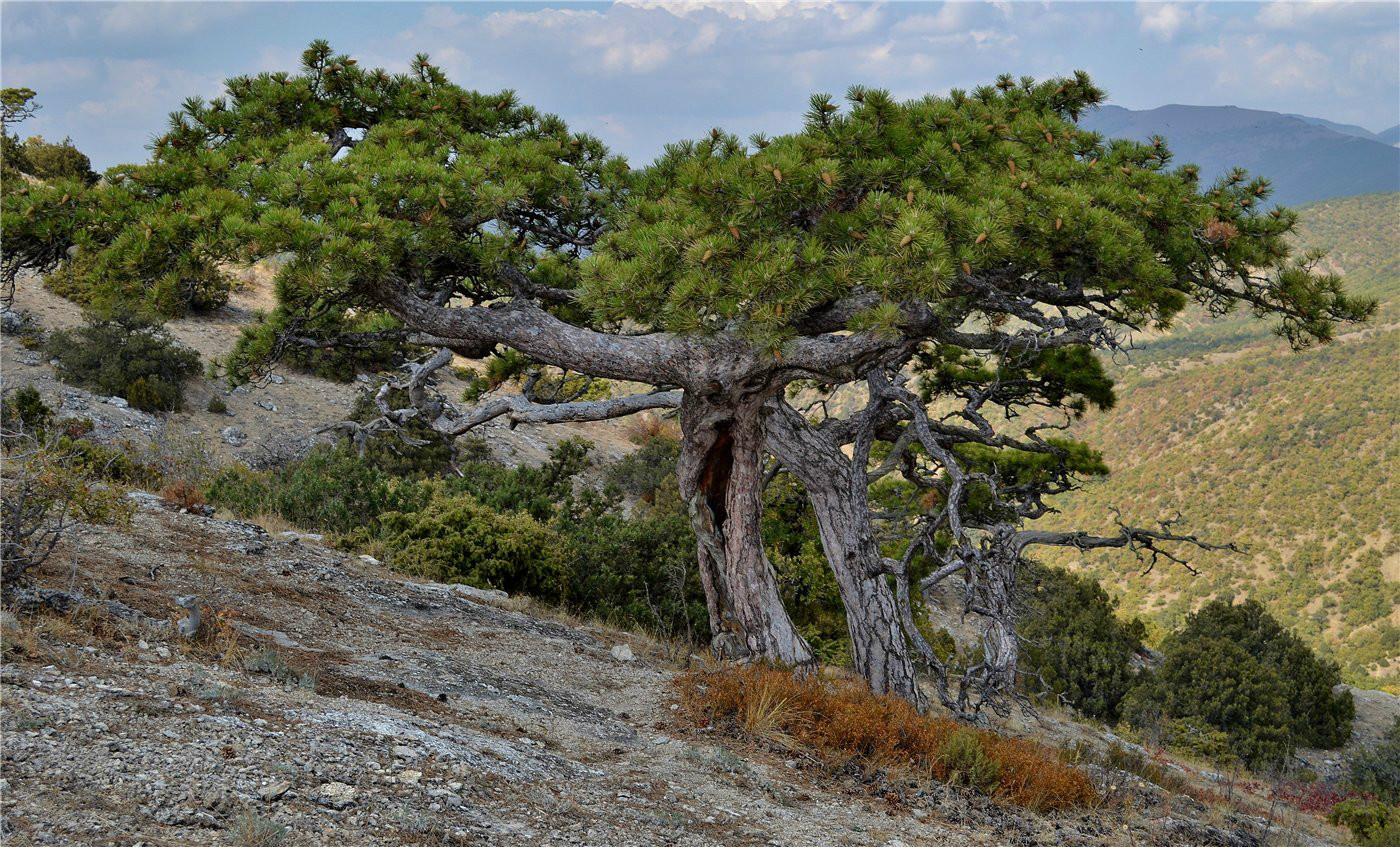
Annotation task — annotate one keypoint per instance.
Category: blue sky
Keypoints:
(641, 73)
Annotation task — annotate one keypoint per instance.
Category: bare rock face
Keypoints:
(271, 792)
(233, 436)
(337, 795)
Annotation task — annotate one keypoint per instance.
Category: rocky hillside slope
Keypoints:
(325, 700)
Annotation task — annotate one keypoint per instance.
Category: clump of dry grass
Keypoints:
(249, 829)
(217, 639)
(183, 494)
(647, 427)
(845, 723)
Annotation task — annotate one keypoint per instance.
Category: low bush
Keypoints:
(845, 724)
(45, 488)
(127, 358)
(645, 472)
(183, 494)
(1075, 643)
(1191, 737)
(1372, 823)
(331, 490)
(24, 412)
(636, 570)
(532, 529)
(457, 539)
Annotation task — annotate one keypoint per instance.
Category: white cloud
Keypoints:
(1163, 20)
(167, 17)
(1290, 14)
(704, 39)
(137, 89)
(1259, 65)
(47, 75)
(637, 58)
(741, 10)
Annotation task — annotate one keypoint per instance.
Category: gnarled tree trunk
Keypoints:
(836, 488)
(721, 481)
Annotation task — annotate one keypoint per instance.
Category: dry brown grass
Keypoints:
(844, 723)
(183, 494)
(647, 427)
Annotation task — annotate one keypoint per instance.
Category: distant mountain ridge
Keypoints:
(1344, 129)
(1306, 158)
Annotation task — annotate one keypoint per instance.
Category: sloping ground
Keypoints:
(278, 418)
(411, 713)
(1297, 458)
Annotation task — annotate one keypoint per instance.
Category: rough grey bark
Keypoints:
(720, 472)
(836, 487)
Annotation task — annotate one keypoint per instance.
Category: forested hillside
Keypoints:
(1294, 455)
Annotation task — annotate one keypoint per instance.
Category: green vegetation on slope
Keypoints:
(1296, 456)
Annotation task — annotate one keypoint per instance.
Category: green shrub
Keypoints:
(151, 393)
(49, 161)
(1372, 822)
(1377, 770)
(968, 763)
(532, 529)
(106, 463)
(1235, 668)
(805, 582)
(44, 490)
(537, 490)
(331, 490)
(645, 471)
(1220, 684)
(1192, 737)
(25, 412)
(128, 358)
(1075, 641)
(216, 406)
(457, 539)
(636, 570)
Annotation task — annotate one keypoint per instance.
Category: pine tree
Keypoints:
(981, 238)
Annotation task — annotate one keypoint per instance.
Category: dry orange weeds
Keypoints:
(846, 723)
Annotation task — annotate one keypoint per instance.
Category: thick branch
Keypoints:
(657, 358)
(517, 410)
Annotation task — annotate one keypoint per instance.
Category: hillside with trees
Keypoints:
(1295, 455)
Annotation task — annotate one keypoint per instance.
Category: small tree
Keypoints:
(44, 489)
(46, 160)
(985, 224)
(16, 106)
(1237, 669)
